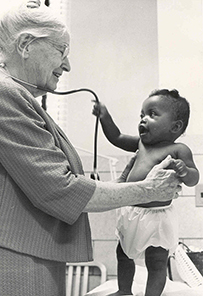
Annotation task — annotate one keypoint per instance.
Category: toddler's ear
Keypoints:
(176, 126)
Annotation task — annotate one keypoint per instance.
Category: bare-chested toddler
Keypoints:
(149, 231)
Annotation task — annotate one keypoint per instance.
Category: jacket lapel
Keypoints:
(61, 140)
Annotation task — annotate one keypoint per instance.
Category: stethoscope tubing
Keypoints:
(94, 174)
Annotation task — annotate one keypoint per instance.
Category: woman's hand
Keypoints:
(163, 180)
(126, 171)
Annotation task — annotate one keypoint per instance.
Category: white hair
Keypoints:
(38, 22)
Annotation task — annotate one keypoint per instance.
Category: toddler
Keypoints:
(147, 232)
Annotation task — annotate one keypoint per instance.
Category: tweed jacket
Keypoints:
(43, 188)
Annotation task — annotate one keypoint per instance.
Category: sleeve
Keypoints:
(39, 168)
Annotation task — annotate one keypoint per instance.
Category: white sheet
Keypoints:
(172, 288)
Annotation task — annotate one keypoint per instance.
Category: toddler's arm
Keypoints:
(112, 132)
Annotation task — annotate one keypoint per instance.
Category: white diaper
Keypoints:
(138, 228)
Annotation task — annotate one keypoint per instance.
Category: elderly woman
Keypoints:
(44, 195)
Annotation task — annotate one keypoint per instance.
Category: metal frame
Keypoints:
(79, 286)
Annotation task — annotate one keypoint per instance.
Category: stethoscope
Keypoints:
(94, 174)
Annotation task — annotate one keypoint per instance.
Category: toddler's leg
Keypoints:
(126, 271)
(156, 263)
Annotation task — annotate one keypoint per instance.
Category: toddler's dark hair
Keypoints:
(180, 106)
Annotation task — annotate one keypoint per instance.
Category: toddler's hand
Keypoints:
(180, 167)
(33, 3)
(99, 109)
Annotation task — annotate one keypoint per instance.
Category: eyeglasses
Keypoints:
(64, 49)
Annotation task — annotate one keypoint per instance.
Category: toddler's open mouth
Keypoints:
(142, 130)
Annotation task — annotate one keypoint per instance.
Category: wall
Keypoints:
(114, 51)
(180, 46)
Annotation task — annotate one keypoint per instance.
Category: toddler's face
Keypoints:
(156, 121)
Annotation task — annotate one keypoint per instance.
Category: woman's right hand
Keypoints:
(163, 181)
(123, 177)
